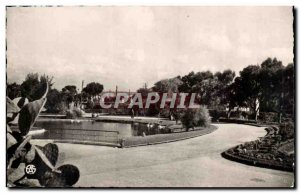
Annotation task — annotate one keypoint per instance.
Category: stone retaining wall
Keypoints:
(166, 138)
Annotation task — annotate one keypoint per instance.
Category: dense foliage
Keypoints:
(93, 88)
(195, 117)
(268, 90)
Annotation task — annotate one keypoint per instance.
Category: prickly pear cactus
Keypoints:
(45, 158)
(29, 113)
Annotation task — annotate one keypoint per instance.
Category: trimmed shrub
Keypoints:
(203, 117)
(196, 117)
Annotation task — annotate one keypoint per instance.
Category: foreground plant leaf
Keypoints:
(11, 107)
(30, 112)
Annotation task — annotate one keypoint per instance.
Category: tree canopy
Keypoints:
(93, 88)
(167, 85)
(268, 87)
(33, 87)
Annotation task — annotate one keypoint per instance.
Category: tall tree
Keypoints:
(202, 83)
(247, 89)
(93, 88)
(68, 94)
(268, 87)
(54, 99)
(167, 85)
(221, 95)
(271, 77)
(288, 87)
(70, 89)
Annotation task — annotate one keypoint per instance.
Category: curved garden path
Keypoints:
(193, 162)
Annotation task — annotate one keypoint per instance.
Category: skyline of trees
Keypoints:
(268, 87)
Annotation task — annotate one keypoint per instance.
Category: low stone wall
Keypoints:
(87, 142)
(165, 138)
(147, 140)
(80, 130)
(88, 131)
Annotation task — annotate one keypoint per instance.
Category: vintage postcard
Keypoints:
(150, 96)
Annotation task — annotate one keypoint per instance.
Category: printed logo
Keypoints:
(30, 169)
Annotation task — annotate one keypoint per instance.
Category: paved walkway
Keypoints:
(193, 162)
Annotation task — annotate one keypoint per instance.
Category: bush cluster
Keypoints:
(196, 117)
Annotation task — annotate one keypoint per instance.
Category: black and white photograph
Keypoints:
(150, 96)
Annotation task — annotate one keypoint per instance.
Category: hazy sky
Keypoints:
(130, 46)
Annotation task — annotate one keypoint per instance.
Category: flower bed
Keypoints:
(267, 152)
(257, 162)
